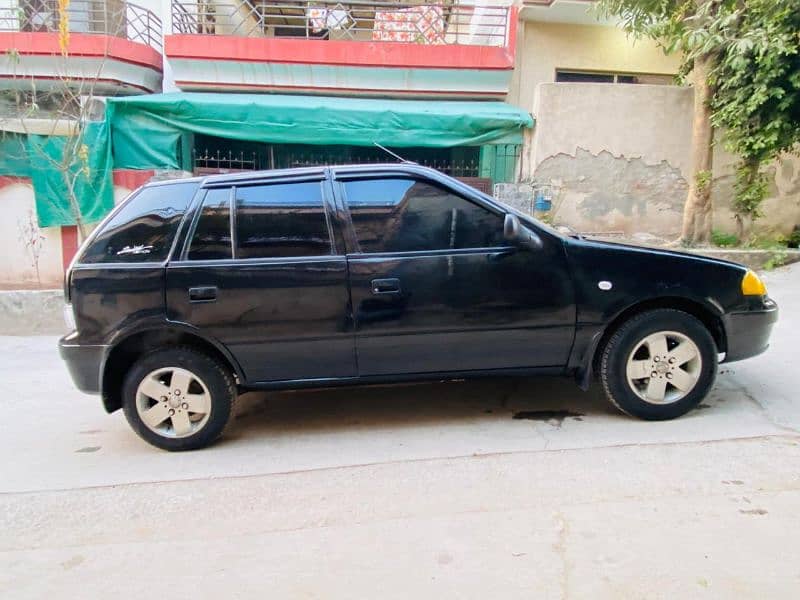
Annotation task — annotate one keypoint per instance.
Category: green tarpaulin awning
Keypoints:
(146, 130)
(86, 169)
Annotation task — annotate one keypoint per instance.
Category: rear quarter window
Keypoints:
(143, 229)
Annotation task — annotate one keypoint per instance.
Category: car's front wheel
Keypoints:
(659, 365)
(178, 398)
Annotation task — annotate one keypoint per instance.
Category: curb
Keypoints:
(754, 259)
(32, 312)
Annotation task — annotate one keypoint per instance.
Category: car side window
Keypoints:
(212, 235)
(405, 215)
(281, 220)
(143, 229)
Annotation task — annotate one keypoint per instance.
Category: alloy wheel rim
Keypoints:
(173, 402)
(664, 367)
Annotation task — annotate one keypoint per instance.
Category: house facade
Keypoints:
(114, 49)
(508, 96)
(613, 129)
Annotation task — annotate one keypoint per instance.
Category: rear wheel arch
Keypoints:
(703, 313)
(131, 347)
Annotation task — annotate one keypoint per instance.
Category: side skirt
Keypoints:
(401, 378)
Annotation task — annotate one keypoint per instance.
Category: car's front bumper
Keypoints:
(747, 332)
(83, 363)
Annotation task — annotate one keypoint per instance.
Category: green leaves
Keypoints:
(757, 101)
(750, 188)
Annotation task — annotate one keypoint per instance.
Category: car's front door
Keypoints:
(436, 288)
(261, 274)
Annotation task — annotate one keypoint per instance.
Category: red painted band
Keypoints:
(131, 178)
(84, 45)
(341, 52)
(69, 244)
(6, 180)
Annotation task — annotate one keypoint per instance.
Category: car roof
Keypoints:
(342, 172)
(405, 167)
(175, 181)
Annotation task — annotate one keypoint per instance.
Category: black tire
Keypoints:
(217, 379)
(626, 339)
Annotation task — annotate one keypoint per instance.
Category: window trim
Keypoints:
(351, 172)
(198, 211)
(614, 75)
(232, 220)
(233, 212)
(76, 262)
(353, 236)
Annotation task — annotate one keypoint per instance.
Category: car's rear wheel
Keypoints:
(178, 398)
(659, 365)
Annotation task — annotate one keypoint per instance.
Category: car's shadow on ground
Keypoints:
(549, 399)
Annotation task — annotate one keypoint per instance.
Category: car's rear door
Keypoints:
(261, 272)
(436, 288)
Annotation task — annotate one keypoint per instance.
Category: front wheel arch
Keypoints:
(705, 314)
(638, 366)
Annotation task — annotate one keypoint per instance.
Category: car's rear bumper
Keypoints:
(747, 333)
(83, 363)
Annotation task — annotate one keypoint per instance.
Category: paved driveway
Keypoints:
(492, 488)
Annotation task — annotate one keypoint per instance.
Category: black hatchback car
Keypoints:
(193, 290)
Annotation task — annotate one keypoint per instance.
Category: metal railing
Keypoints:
(106, 17)
(207, 161)
(219, 161)
(454, 168)
(433, 22)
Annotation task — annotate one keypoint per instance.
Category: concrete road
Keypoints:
(415, 491)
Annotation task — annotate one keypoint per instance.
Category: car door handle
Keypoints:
(501, 254)
(203, 294)
(382, 287)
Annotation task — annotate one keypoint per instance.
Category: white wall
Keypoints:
(17, 263)
(163, 10)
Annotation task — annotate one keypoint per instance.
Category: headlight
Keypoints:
(69, 317)
(752, 285)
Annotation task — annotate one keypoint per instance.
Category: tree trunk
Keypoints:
(748, 194)
(698, 211)
(69, 179)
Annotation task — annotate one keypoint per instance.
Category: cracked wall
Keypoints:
(606, 193)
(621, 155)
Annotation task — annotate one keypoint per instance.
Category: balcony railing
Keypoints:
(206, 160)
(105, 17)
(438, 22)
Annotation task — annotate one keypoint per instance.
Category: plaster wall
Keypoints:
(18, 229)
(620, 156)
